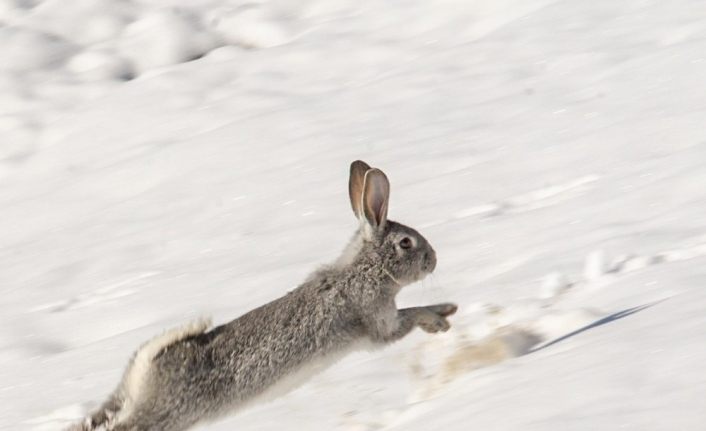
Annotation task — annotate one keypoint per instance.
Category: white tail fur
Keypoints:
(138, 369)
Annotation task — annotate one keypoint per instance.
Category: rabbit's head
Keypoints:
(399, 251)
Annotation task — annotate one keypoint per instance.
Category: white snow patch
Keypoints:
(251, 26)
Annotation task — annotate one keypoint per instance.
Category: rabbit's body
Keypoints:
(193, 374)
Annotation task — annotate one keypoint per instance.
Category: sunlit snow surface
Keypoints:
(160, 162)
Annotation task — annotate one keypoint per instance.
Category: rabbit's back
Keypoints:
(263, 354)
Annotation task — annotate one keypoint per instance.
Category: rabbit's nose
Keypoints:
(429, 261)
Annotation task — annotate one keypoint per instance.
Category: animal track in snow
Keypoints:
(535, 199)
(529, 201)
(100, 295)
(599, 267)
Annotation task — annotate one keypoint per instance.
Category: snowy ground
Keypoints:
(552, 151)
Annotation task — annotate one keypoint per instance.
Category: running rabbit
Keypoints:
(194, 374)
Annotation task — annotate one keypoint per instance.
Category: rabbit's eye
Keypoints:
(405, 243)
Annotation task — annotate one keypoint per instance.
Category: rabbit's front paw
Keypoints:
(433, 317)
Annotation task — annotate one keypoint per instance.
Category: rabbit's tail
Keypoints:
(122, 402)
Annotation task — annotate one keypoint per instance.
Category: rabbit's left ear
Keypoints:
(376, 195)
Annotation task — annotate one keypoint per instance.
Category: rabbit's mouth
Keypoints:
(401, 282)
(392, 277)
(425, 269)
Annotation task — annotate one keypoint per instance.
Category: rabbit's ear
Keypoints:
(376, 195)
(355, 186)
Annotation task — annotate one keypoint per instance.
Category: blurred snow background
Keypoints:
(161, 160)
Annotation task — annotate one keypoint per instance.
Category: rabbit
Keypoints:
(196, 373)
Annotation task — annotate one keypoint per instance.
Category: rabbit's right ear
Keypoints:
(376, 195)
(355, 186)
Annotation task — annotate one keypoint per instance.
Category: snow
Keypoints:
(162, 162)
(252, 26)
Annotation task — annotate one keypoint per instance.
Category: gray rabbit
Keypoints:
(194, 374)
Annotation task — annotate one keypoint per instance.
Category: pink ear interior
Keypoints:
(376, 194)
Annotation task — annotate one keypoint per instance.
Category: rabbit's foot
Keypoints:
(432, 318)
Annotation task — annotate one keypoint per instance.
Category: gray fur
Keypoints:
(202, 375)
